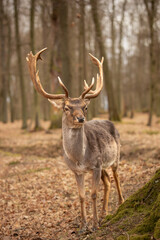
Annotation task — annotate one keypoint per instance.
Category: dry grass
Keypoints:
(38, 193)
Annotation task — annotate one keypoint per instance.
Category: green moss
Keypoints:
(151, 218)
(151, 132)
(13, 163)
(36, 170)
(134, 237)
(139, 216)
(122, 213)
(140, 237)
(157, 230)
(6, 153)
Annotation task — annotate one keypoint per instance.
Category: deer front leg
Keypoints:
(107, 183)
(81, 190)
(95, 183)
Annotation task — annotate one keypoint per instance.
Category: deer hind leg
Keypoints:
(95, 183)
(81, 190)
(116, 178)
(107, 184)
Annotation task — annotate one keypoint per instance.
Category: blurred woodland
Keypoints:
(125, 32)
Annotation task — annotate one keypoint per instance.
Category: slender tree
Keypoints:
(64, 43)
(119, 65)
(113, 38)
(32, 45)
(151, 7)
(9, 54)
(54, 61)
(82, 45)
(113, 111)
(3, 63)
(20, 66)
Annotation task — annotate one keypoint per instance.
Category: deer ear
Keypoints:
(87, 101)
(57, 104)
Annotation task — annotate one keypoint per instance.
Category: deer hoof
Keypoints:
(121, 201)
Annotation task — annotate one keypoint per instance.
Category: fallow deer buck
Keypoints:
(88, 146)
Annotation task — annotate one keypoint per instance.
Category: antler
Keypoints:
(32, 61)
(99, 85)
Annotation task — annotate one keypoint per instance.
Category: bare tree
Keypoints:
(119, 65)
(20, 66)
(113, 111)
(82, 45)
(32, 45)
(9, 54)
(3, 63)
(64, 42)
(151, 8)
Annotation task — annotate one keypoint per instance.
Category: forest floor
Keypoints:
(38, 193)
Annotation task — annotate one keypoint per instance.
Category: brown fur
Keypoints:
(90, 146)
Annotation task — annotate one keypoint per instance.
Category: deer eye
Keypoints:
(85, 108)
(66, 108)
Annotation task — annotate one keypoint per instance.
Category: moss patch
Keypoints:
(151, 132)
(13, 163)
(138, 217)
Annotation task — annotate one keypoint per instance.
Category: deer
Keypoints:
(89, 146)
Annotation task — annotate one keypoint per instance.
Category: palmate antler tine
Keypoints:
(99, 85)
(34, 74)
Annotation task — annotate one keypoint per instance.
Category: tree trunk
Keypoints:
(82, 46)
(119, 67)
(151, 12)
(113, 37)
(54, 62)
(8, 69)
(3, 64)
(20, 67)
(113, 112)
(64, 42)
(46, 83)
(32, 43)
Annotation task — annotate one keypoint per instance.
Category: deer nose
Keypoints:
(80, 119)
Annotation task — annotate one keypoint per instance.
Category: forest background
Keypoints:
(125, 32)
(38, 193)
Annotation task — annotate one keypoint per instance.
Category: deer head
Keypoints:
(74, 109)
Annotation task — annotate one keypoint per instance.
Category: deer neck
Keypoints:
(74, 142)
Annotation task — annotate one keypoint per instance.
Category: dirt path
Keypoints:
(38, 193)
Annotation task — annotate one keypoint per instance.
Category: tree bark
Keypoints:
(113, 37)
(54, 61)
(113, 112)
(9, 69)
(82, 46)
(64, 42)
(20, 67)
(119, 67)
(151, 12)
(3, 64)
(32, 45)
